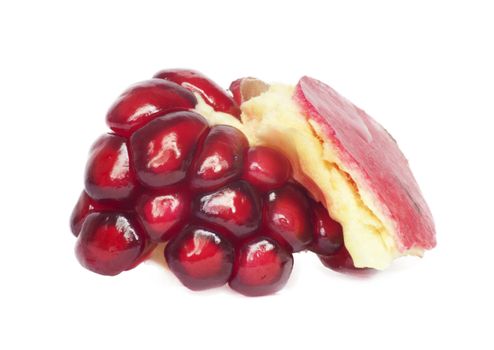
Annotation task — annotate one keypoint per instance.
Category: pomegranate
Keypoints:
(235, 184)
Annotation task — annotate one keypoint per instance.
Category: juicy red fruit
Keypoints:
(108, 174)
(235, 207)
(162, 150)
(143, 101)
(109, 243)
(163, 213)
(266, 168)
(220, 159)
(286, 216)
(328, 234)
(211, 92)
(200, 258)
(261, 267)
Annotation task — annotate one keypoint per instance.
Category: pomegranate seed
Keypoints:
(200, 258)
(146, 253)
(341, 261)
(261, 267)
(108, 176)
(220, 159)
(85, 205)
(145, 100)
(212, 94)
(109, 243)
(164, 213)
(162, 150)
(266, 168)
(328, 234)
(235, 207)
(287, 214)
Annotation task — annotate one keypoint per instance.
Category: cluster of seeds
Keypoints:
(229, 212)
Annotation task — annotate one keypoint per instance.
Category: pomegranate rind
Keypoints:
(373, 160)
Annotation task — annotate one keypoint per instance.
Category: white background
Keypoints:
(422, 69)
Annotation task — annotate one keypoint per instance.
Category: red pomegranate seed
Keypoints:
(108, 175)
(146, 253)
(163, 214)
(328, 234)
(85, 205)
(211, 92)
(261, 267)
(287, 216)
(235, 207)
(200, 258)
(109, 243)
(162, 149)
(341, 261)
(220, 159)
(266, 168)
(145, 100)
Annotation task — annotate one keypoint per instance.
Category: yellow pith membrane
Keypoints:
(274, 119)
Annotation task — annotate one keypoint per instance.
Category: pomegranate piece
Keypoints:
(232, 212)
(162, 150)
(235, 207)
(211, 92)
(85, 205)
(373, 160)
(261, 267)
(220, 159)
(143, 101)
(163, 213)
(287, 215)
(328, 234)
(200, 258)
(266, 168)
(108, 175)
(341, 261)
(109, 243)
